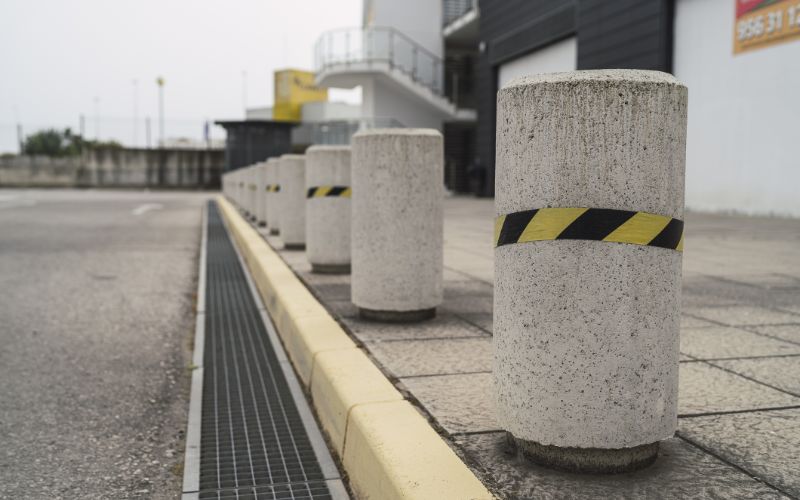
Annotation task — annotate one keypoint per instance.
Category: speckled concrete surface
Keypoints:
(397, 219)
(586, 332)
(292, 200)
(759, 253)
(273, 208)
(328, 218)
(96, 320)
(726, 342)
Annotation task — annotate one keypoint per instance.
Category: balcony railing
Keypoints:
(351, 46)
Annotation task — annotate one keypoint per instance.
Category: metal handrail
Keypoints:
(346, 46)
(453, 9)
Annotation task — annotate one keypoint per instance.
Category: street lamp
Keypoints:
(160, 82)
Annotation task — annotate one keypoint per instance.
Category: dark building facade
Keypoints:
(251, 141)
(635, 34)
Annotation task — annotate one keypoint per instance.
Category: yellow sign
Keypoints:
(293, 88)
(761, 23)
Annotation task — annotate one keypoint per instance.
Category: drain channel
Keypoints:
(253, 443)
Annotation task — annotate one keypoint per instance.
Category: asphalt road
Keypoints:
(97, 290)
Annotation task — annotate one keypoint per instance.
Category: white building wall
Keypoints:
(743, 145)
(558, 57)
(421, 20)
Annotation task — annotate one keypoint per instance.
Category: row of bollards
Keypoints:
(588, 240)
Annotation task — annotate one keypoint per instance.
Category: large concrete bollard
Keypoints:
(328, 208)
(261, 193)
(397, 198)
(273, 192)
(292, 201)
(589, 204)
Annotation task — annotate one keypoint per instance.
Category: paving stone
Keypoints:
(467, 287)
(766, 444)
(443, 326)
(789, 333)
(459, 403)
(681, 471)
(705, 388)
(332, 291)
(434, 357)
(783, 373)
(691, 322)
(483, 321)
(469, 304)
(343, 309)
(745, 315)
(728, 342)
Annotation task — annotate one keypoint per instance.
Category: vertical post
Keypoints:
(135, 112)
(292, 201)
(147, 131)
(160, 82)
(273, 191)
(20, 139)
(588, 253)
(397, 223)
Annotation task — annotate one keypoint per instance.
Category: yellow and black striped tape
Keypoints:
(599, 224)
(273, 188)
(328, 191)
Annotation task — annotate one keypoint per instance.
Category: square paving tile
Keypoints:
(459, 403)
(766, 444)
(444, 325)
(682, 471)
(691, 322)
(406, 358)
(483, 321)
(790, 333)
(728, 342)
(469, 304)
(783, 373)
(704, 389)
(744, 315)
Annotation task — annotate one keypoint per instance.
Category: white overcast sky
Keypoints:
(58, 56)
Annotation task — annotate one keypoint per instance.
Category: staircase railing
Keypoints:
(349, 46)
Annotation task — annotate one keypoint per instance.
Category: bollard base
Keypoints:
(586, 460)
(397, 316)
(273, 231)
(330, 268)
(261, 223)
(294, 246)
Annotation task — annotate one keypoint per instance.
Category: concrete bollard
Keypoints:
(397, 254)
(589, 204)
(328, 209)
(273, 193)
(251, 191)
(261, 193)
(292, 201)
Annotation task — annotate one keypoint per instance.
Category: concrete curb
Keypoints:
(388, 449)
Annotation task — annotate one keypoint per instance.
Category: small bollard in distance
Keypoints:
(589, 205)
(261, 193)
(273, 194)
(397, 223)
(328, 209)
(292, 201)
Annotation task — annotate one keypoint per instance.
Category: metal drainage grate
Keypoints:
(253, 443)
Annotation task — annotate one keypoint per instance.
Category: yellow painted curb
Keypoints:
(388, 449)
(392, 449)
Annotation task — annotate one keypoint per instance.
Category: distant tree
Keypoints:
(52, 142)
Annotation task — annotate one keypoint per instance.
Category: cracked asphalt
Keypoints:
(96, 322)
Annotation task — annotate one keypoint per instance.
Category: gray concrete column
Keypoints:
(397, 254)
(261, 193)
(328, 208)
(589, 203)
(273, 192)
(292, 201)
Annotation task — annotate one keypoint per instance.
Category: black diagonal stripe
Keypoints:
(310, 192)
(513, 226)
(595, 224)
(670, 236)
(336, 190)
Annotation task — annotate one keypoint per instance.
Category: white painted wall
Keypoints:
(421, 20)
(380, 100)
(743, 145)
(560, 56)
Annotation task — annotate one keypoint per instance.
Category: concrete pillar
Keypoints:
(292, 201)
(261, 193)
(398, 190)
(273, 193)
(587, 302)
(251, 192)
(328, 208)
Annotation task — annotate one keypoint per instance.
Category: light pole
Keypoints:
(244, 90)
(96, 102)
(160, 82)
(135, 112)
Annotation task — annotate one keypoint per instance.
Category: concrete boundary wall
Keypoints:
(123, 167)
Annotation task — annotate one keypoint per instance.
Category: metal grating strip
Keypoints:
(253, 443)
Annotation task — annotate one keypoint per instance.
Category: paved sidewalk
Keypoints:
(739, 427)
